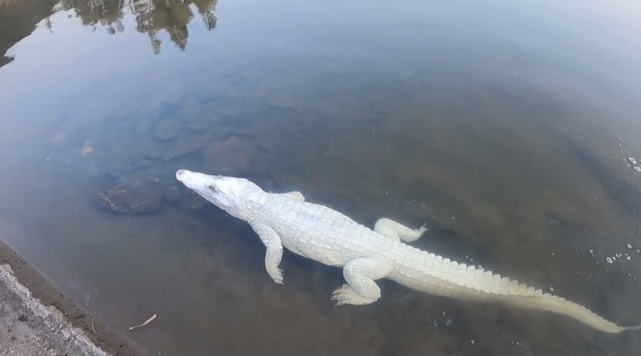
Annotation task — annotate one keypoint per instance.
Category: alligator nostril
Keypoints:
(180, 173)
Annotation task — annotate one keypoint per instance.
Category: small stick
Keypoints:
(145, 323)
(92, 328)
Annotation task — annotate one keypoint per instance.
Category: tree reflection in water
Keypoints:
(151, 16)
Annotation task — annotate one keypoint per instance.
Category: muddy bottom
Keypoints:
(510, 136)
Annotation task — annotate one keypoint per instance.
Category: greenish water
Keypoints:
(506, 126)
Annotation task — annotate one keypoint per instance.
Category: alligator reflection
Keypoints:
(151, 16)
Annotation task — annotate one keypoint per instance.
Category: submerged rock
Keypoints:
(233, 152)
(167, 130)
(198, 126)
(279, 100)
(126, 198)
(171, 193)
(184, 146)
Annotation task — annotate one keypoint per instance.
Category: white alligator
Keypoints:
(327, 236)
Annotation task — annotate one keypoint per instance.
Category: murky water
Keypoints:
(506, 126)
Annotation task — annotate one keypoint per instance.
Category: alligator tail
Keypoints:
(559, 305)
(441, 276)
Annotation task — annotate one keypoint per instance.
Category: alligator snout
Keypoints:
(181, 173)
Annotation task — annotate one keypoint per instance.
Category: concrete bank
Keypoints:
(38, 319)
(31, 328)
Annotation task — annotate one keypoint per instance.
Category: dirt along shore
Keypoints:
(37, 318)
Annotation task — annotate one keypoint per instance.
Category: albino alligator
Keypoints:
(329, 237)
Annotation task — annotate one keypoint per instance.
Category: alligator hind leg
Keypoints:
(360, 275)
(398, 231)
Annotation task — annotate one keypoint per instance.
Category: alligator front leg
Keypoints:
(398, 231)
(360, 275)
(274, 252)
(295, 196)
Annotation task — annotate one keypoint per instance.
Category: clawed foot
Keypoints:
(277, 276)
(414, 235)
(347, 295)
(397, 231)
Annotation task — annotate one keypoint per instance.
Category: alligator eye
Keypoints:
(212, 187)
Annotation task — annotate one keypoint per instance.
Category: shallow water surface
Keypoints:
(508, 127)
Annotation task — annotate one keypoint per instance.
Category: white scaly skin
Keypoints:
(329, 237)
